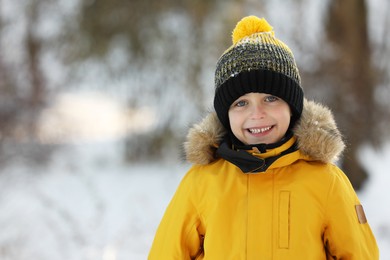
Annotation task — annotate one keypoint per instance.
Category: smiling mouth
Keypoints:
(259, 130)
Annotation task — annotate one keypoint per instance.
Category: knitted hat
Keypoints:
(256, 62)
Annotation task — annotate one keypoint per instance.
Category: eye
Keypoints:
(241, 103)
(271, 99)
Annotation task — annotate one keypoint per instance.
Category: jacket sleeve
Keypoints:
(347, 234)
(177, 236)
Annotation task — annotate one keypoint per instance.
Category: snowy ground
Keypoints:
(88, 204)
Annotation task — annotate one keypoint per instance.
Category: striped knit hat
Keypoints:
(256, 62)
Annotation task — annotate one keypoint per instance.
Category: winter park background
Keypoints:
(96, 98)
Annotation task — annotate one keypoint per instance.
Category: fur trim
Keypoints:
(202, 140)
(317, 133)
(317, 136)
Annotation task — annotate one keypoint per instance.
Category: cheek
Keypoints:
(235, 120)
(285, 117)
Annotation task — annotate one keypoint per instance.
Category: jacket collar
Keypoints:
(316, 133)
(254, 161)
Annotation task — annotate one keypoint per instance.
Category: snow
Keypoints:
(85, 204)
(376, 196)
(77, 116)
(88, 203)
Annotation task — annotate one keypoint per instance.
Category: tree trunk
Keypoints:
(350, 69)
(36, 83)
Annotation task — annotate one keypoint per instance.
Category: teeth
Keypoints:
(259, 130)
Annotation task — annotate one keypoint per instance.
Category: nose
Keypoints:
(258, 111)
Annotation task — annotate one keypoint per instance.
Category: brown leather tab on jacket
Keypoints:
(360, 214)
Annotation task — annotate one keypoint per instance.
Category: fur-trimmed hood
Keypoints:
(316, 132)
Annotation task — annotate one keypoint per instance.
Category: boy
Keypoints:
(263, 185)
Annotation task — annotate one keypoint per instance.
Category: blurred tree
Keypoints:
(35, 100)
(22, 81)
(15, 103)
(101, 21)
(166, 39)
(347, 68)
(7, 88)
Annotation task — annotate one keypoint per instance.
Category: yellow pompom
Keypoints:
(248, 26)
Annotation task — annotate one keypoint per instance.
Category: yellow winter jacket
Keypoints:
(301, 207)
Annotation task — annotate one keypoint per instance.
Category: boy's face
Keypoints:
(259, 118)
